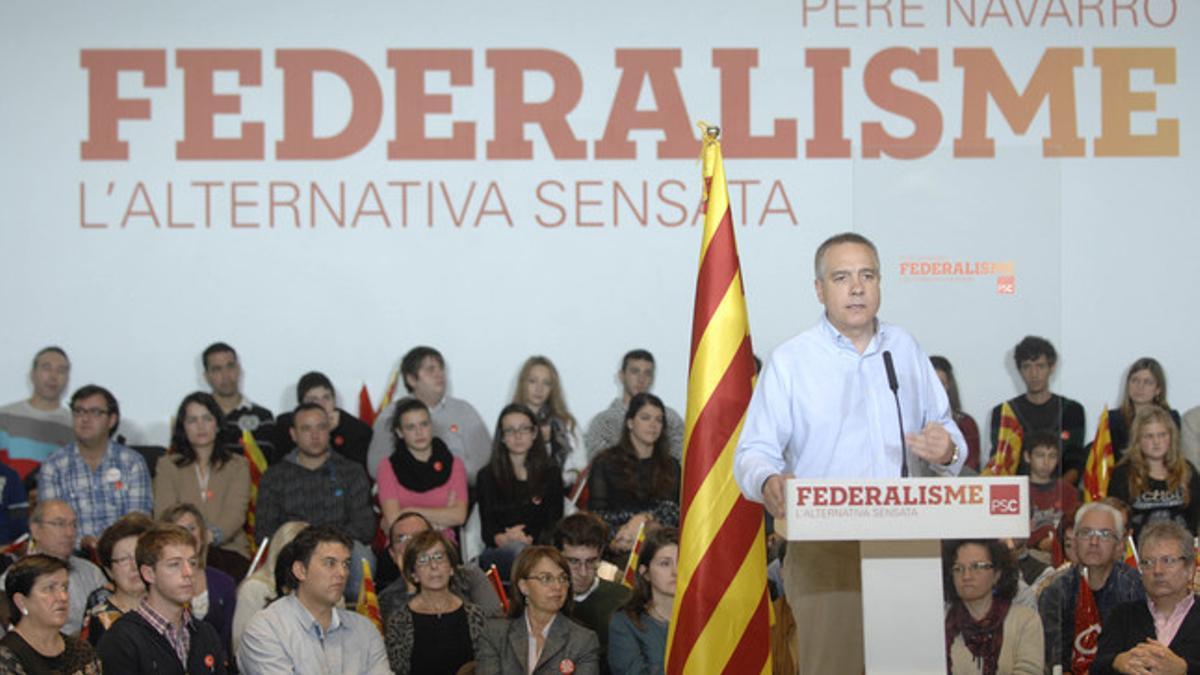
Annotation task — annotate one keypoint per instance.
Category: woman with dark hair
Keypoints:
(436, 631)
(421, 475)
(637, 635)
(539, 388)
(536, 624)
(348, 436)
(125, 589)
(1153, 477)
(519, 490)
(1145, 386)
(985, 632)
(637, 480)
(200, 470)
(36, 586)
(966, 423)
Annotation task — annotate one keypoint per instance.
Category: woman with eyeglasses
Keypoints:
(519, 491)
(36, 586)
(1153, 477)
(539, 387)
(436, 631)
(985, 632)
(637, 635)
(125, 589)
(537, 638)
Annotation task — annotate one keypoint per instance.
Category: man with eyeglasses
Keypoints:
(306, 631)
(1161, 635)
(32, 428)
(52, 531)
(1099, 531)
(581, 537)
(100, 478)
(469, 582)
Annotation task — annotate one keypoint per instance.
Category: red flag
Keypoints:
(1087, 629)
(1100, 461)
(366, 410)
(493, 576)
(368, 602)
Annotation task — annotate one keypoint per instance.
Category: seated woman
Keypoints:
(519, 490)
(200, 471)
(539, 388)
(421, 475)
(125, 589)
(348, 436)
(259, 589)
(1153, 478)
(637, 480)
(637, 635)
(436, 630)
(214, 593)
(536, 624)
(1145, 386)
(966, 423)
(36, 586)
(985, 631)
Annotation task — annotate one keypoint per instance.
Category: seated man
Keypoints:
(581, 538)
(33, 428)
(52, 531)
(469, 582)
(305, 631)
(223, 372)
(1161, 635)
(315, 485)
(101, 479)
(636, 377)
(160, 637)
(1099, 531)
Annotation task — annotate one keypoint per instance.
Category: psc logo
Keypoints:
(1004, 499)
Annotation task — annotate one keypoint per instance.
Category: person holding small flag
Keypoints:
(637, 640)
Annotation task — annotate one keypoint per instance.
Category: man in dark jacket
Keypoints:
(160, 637)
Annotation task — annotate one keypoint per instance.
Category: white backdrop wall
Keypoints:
(564, 256)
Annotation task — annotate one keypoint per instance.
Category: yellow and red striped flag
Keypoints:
(368, 601)
(389, 391)
(1100, 461)
(629, 577)
(258, 466)
(721, 620)
(1007, 457)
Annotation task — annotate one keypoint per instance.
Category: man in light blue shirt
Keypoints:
(823, 409)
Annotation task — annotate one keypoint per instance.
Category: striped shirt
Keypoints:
(177, 636)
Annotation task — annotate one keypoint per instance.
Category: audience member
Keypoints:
(582, 538)
(350, 436)
(520, 490)
(455, 421)
(214, 593)
(306, 631)
(986, 632)
(260, 588)
(117, 553)
(160, 636)
(1153, 478)
(37, 592)
(436, 630)
(14, 505)
(537, 638)
(638, 634)
(316, 485)
(636, 377)
(637, 480)
(540, 388)
(421, 474)
(223, 372)
(966, 423)
(1038, 409)
(1161, 635)
(32, 428)
(204, 473)
(1145, 385)
(101, 479)
(1189, 432)
(1099, 530)
(1050, 497)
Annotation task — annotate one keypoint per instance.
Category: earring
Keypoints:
(24, 611)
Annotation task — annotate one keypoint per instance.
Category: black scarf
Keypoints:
(422, 476)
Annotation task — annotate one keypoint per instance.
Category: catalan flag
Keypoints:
(1007, 457)
(721, 618)
(390, 391)
(1100, 461)
(258, 466)
(368, 601)
(1131, 554)
(629, 577)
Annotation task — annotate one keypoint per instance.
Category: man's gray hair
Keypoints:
(1116, 515)
(1168, 530)
(843, 238)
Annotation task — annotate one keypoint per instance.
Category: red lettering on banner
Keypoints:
(300, 67)
(202, 104)
(873, 495)
(235, 203)
(924, 113)
(369, 191)
(513, 112)
(139, 189)
(539, 193)
(171, 224)
(671, 116)
(1118, 103)
(829, 138)
(856, 495)
(677, 205)
(274, 202)
(802, 493)
(735, 66)
(413, 104)
(105, 107)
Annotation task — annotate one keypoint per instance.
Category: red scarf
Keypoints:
(983, 638)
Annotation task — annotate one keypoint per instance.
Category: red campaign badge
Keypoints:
(1066, 435)
(437, 466)
(537, 499)
(339, 441)
(209, 661)
(454, 428)
(208, 495)
(118, 486)
(566, 666)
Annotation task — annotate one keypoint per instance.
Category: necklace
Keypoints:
(431, 607)
(56, 645)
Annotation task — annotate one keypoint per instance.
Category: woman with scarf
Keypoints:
(539, 387)
(985, 633)
(421, 475)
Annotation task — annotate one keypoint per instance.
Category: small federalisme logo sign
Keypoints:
(951, 270)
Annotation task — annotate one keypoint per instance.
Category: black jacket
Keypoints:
(132, 647)
(1130, 623)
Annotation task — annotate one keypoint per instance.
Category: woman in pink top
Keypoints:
(421, 475)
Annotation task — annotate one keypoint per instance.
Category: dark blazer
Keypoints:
(1130, 623)
(132, 647)
(505, 648)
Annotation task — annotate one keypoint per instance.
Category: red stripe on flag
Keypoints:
(718, 420)
(717, 270)
(752, 650)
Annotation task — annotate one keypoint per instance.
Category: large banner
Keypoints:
(325, 185)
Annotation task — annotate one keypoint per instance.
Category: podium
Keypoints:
(899, 524)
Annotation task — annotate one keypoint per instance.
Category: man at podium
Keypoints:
(823, 408)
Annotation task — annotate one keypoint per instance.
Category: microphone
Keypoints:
(894, 385)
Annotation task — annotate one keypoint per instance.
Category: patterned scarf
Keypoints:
(983, 638)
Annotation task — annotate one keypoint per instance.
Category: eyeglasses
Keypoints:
(123, 560)
(511, 432)
(547, 579)
(427, 559)
(90, 412)
(1168, 561)
(60, 524)
(975, 568)
(583, 563)
(1102, 535)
